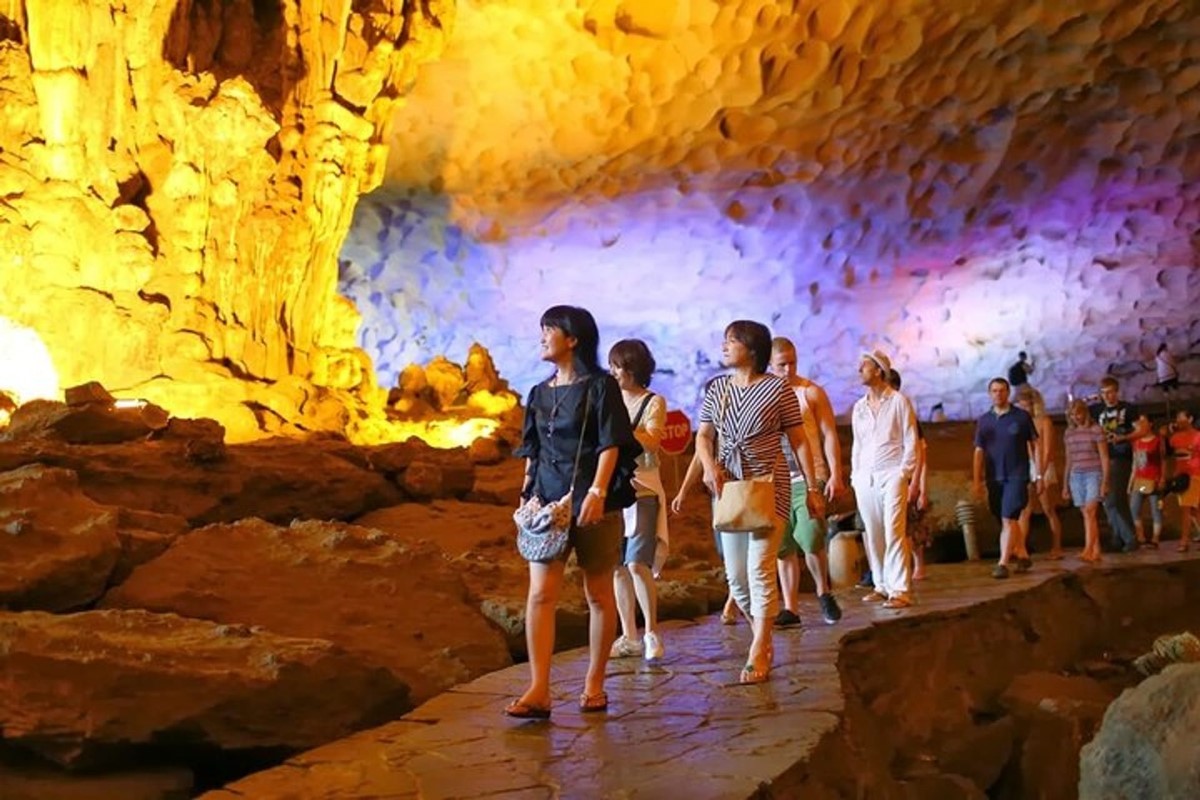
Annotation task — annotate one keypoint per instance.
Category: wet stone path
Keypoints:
(682, 728)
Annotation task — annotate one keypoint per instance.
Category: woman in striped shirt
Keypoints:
(1085, 478)
(744, 420)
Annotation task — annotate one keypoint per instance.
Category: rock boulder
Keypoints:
(57, 546)
(106, 686)
(1149, 742)
(396, 605)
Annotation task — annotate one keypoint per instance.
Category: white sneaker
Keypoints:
(624, 647)
(654, 647)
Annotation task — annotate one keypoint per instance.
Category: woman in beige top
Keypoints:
(1046, 465)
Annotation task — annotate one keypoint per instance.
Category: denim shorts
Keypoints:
(641, 546)
(1085, 487)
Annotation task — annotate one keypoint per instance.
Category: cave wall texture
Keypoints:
(176, 180)
(954, 180)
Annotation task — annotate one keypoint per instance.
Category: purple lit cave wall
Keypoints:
(953, 188)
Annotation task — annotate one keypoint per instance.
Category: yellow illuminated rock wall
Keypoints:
(176, 179)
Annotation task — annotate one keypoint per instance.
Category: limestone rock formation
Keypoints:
(178, 177)
(276, 479)
(40, 783)
(346, 584)
(99, 686)
(84, 423)
(954, 181)
(480, 541)
(58, 547)
(1147, 744)
(1055, 715)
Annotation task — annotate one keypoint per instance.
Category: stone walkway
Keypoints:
(684, 728)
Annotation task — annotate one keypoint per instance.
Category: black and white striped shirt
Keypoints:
(749, 421)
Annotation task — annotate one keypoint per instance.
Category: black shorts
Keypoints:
(1007, 499)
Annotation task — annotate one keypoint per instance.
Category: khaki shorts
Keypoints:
(598, 548)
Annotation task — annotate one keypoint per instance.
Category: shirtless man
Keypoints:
(803, 532)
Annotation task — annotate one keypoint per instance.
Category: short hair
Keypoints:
(782, 343)
(756, 338)
(1078, 405)
(996, 380)
(1109, 380)
(633, 356)
(893, 379)
(581, 325)
(1022, 355)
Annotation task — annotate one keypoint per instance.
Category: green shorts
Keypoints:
(802, 531)
(599, 547)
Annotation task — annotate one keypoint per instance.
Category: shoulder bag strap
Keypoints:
(587, 406)
(641, 410)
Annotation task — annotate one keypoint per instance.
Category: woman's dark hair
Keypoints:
(581, 325)
(756, 338)
(633, 356)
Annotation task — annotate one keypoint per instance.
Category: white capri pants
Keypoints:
(750, 570)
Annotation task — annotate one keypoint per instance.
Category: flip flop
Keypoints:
(593, 703)
(518, 710)
(752, 674)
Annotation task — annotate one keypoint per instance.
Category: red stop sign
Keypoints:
(678, 433)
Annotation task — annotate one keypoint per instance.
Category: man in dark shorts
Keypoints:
(1004, 441)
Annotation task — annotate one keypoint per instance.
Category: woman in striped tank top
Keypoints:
(1085, 479)
(741, 420)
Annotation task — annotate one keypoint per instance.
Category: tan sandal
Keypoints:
(752, 674)
(593, 703)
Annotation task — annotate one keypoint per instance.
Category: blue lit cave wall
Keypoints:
(674, 269)
(953, 183)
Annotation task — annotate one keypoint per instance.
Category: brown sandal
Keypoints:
(593, 703)
(519, 710)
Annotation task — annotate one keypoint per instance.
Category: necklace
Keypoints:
(556, 400)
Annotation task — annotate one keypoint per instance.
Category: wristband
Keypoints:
(598, 492)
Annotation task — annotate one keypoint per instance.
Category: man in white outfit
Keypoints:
(883, 457)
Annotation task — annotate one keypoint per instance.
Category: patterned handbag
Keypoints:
(544, 529)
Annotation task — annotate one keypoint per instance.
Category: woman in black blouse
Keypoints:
(554, 422)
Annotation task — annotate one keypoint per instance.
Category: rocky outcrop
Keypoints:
(278, 479)
(39, 783)
(399, 606)
(178, 180)
(115, 686)
(57, 546)
(1055, 716)
(1147, 744)
(481, 541)
(83, 423)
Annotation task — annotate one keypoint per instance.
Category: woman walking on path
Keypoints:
(577, 439)
(741, 420)
(1085, 475)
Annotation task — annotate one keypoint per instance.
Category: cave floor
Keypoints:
(684, 727)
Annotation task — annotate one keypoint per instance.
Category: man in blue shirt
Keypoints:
(1004, 450)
